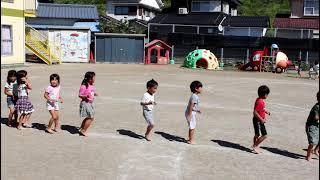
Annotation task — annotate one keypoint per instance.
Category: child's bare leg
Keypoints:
(26, 120)
(258, 142)
(57, 122)
(86, 125)
(309, 151)
(11, 113)
(147, 134)
(21, 118)
(316, 150)
(191, 136)
(255, 139)
(53, 117)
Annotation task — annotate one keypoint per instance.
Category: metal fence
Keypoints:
(230, 55)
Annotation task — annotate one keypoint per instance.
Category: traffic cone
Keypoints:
(91, 60)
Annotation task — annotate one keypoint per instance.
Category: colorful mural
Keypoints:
(74, 45)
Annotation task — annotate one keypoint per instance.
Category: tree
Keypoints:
(264, 8)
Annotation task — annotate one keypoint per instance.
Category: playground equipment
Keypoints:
(201, 58)
(268, 60)
(157, 52)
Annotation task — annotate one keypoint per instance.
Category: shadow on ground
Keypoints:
(130, 134)
(284, 153)
(232, 145)
(171, 137)
(40, 127)
(70, 129)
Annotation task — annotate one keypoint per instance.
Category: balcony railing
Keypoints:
(30, 8)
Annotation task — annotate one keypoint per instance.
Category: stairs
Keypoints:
(47, 51)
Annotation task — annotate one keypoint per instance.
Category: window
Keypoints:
(8, 1)
(206, 6)
(311, 7)
(121, 10)
(6, 40)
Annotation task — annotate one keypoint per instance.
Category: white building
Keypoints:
(133, 9)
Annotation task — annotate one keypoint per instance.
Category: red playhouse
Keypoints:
(157, 52)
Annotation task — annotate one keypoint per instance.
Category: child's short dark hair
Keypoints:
(11, 73)
(21, 74)
(55, 76)
(152, 83)
(263, 91)
(195, 85)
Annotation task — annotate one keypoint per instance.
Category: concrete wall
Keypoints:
(17, 4)
(18, 37)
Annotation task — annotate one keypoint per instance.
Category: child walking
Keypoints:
(23, 104)
(312, 130)
(86, 94)
(11, 101)
(53, 97)
(193, 108)
(147, 103)
(259, 118)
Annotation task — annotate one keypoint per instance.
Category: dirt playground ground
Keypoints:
(116, 150)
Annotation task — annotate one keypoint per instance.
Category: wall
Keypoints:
(50, 21)
(296, 8)
(16, 20)
(75, 44)
(17, 4)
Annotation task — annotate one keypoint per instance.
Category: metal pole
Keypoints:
(248, 52)
(148, 32)
(221, 54)
(275, 32)
(307, 57)
(198, 29)
(172, 54)
(173, 28)
(301, 33)
(249, 31)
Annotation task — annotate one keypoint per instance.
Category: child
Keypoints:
(259, 118)
(53, 97)
(86, 94)
(23, 105)
(193, 109)
(147, 103)
(312, 129)
(8, 90)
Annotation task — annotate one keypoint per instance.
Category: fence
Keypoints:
(232, 44)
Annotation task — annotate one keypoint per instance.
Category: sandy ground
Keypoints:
(115, 149)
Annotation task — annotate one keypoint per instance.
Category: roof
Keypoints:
(92, 25)
(211, 19)
(156, 41)
(67, 11)
(297, 23)
(154, 4)
(59, 27)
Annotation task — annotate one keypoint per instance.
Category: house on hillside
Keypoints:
(304, 18)
(13, 14)
(68, 27)
(302, 23)
(134, 9)
(211, 24)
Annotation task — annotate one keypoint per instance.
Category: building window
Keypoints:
(205, 6)
(6, 40)
(125, 10)
(147, 13)
(8, 1)
(311, 7)
(121, 10)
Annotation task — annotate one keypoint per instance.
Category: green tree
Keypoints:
(101, 4)
(264, 8)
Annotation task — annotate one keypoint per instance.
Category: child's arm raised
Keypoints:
(28, 84)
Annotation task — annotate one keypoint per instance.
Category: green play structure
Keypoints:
(201, 58)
